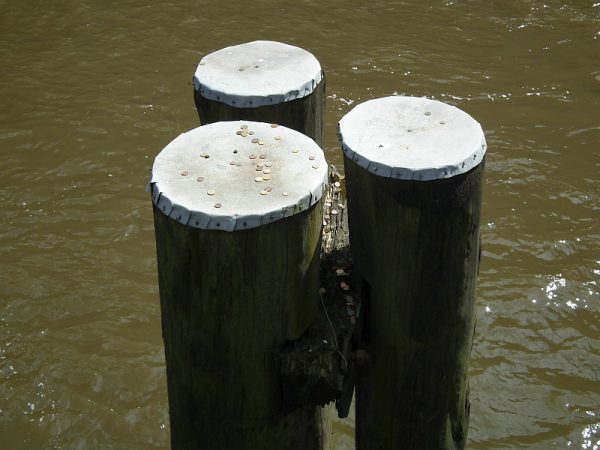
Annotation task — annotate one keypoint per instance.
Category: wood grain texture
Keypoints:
(229, 301)
(304, 114)
(416, 244)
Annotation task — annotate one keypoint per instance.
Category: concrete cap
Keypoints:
(411, 138)
(256, 74)
(237, 175)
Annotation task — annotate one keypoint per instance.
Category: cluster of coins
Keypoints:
(333, 215)
(334, 238)
(342, 273)
(264, 167)
(244, 131)
(342, 289)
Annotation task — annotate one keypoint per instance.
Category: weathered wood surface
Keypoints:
(417, 246)
(303, 114)
(225, 302)
(413, 171)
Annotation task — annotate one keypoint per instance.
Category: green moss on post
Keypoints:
(414, 180)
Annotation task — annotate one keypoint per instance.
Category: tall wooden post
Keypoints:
(263, 81)
(414, 179)
(238, 228)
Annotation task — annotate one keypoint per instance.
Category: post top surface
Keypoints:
(237, 175)
(257, 73)
(411, 138)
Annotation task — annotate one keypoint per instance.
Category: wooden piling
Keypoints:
(238, 228)
(414, 180)
(262, 81)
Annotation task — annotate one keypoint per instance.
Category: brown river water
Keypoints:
(91, 91)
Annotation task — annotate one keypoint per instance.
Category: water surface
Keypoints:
(92, 91)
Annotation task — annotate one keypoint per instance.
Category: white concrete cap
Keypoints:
(215, 177)
(256, 74)
(411, 138)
